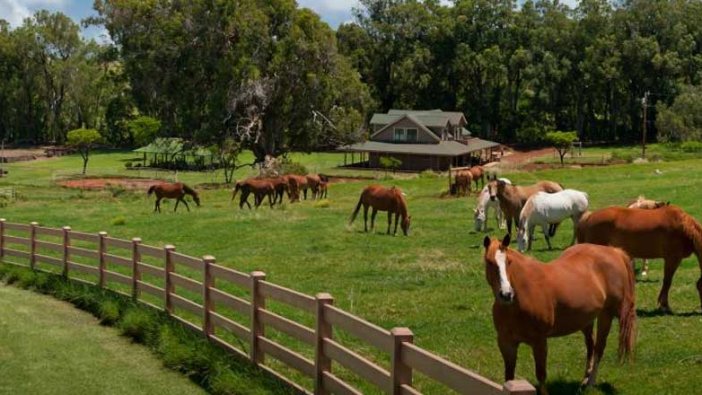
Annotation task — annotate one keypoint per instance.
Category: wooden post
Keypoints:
(66, 252)
(33, 245)
(2, 237)
(449, 178)
(400, 373)
(101, 258)
(257, 327)
(136, 273)
(518, 387)
(322, 363)
(170, 287)
(208, 304)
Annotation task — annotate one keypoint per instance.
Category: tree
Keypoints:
(143, 129)
(389, 162)
(682, 120)
(83, 140)
(228, 151)
(562, 141)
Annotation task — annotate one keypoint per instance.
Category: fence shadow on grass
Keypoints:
(569, 387)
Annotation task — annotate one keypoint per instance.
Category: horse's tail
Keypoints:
(627, 312)
(358, 208)
(152, 189)
(693, 230)
(581, 228)
(236, 189)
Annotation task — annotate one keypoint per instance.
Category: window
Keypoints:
(411, 134)
(400, 134)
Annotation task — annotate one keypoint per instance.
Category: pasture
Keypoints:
(48, 347)
(432, 281)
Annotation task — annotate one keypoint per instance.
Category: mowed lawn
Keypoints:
(50, 347)
(432, 281)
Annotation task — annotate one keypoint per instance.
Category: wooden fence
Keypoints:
(214, 300)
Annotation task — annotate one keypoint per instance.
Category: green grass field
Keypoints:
(432, 281)
(50, 347)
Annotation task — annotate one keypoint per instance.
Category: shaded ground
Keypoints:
(50, 347)
(525, 156)
(102, 183)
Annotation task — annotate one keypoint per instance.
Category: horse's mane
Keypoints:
(527, 209)
(691, 228)
(189, 190)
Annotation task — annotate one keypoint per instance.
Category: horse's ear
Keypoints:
(486, 242)
(505, 241)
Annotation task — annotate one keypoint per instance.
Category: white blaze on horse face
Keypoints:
(501, 259)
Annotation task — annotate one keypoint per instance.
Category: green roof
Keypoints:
(443, 148)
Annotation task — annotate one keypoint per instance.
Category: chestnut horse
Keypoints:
(323, 189)
(176, 191)
(648, 204)
(667, 232)
(512, 198)
(477, 173)
(280, 187)
(259, 188)
(313, 181)
(535, 301)
(461, 185)
(380, 198)
(297, 184)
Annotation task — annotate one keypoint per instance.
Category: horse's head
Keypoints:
(196, 199)
(496, 264)
(480, 218)
(495, 187)
(406, 224)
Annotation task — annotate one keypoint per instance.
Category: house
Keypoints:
(421, 140)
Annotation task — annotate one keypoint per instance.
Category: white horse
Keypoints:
(544, 209)
(484, 203)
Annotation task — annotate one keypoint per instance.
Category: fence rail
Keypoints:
(253, 343)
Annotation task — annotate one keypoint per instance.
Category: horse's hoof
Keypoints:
(665, 309)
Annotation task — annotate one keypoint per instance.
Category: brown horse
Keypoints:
(648, 204)
(298, 185)
(534, 301)
(280, 187)
(323, 189)
(477, 173)
(461, 185)
(176, 191)
(667, 232)
(313, 181)
(259, 188)
(380, 198)
(512, 198)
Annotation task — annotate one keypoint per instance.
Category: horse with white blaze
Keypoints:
(485, 203)
(544, 209)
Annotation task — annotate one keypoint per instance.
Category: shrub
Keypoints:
(139, 324)
(289, 167)
(691, 146)
(119, 221)
(531, 135)
(428, 174)
(618, 156)
(128, 165)
(109, 312)
(324, 203)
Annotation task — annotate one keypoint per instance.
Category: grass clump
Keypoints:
(109, 312)
(119, 221)
(139, 324)
(324, 203)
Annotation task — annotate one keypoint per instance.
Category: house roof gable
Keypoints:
(420, 126)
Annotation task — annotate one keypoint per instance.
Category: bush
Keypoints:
(128, 165)
(289, 167)
(428, 174)
(691, 146)
(119, 221)
(618, 156)
(531, 136)
(109, 312)
(139, 324)
(323, 203)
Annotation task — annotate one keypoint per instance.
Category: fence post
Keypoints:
(208, 304)
(257, 327)
(170, 287)
(518, 387)
(136, 273)
(101, 258)
(323, 331)
(400, 373)
(66, 252)
(33, 244)
(2, 237)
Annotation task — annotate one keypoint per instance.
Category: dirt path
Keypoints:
(525, 156)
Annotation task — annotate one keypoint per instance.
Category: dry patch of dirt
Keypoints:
(102, 183)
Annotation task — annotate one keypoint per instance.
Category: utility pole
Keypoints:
(644, 103)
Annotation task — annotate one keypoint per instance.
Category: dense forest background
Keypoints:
(266, 75)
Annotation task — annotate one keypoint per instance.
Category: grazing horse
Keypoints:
(323, 189)
(297, 184)
(545, 209)
(667, 232)
(535, 301)
(512, 198)
(259, 188)
(380, 198)
(477, 173)
(485, 203)
(280, 187)
(648, 204)
(461, 185)
(313, 181)
(176, 191)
